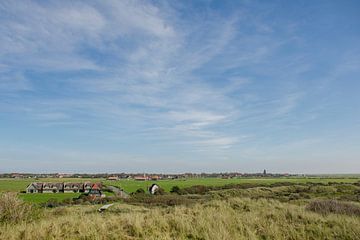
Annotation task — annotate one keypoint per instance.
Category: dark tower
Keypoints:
(264, 173)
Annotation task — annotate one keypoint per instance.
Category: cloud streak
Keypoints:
(205, 82)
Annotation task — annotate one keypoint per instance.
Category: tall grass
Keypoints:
(234, 218)
(14, 210)
(333, 206)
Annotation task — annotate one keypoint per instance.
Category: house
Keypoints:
(113, 178)
(73, 187)
(53, 187)
(87, 187)
(38, 187)
(140, 178)
(95, 191)
(34, 188)
(155, 178)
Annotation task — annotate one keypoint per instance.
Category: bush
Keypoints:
(51, 203)
(333, 206)
(160, 191)
(175, 189)
(159, 200)
(14, 210)
(140, 191)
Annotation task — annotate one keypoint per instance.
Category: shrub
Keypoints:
(159, 200)
(160, 191)
(333, 206)
(175, 189)
(51, 203)
(140, 191)
(14, 210)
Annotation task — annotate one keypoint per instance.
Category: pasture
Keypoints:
(18, 185)
(44, 197)
(132, 185)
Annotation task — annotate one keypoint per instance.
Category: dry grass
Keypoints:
(14, 210)
(333, 206)
(234, 218)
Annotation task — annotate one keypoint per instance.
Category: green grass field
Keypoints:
(132, 185)
(17, 185)
(40, 198)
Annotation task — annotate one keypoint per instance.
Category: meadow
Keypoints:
(132, 185)
(129, 185)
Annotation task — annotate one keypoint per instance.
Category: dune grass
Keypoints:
(234, 218)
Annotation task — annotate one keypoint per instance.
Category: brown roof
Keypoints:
(95, 186)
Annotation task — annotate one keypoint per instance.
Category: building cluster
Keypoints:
(148, 176)
(64, 187)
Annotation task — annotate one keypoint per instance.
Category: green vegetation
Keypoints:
(44, 197)
(233, 218)
(132, 185)
(252, 209)
(18, 185)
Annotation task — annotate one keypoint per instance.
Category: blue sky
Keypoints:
(180, 86)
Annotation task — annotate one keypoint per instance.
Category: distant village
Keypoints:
(146, 176)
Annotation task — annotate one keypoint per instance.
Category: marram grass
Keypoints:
(235, 218)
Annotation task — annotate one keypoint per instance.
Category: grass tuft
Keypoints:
(333, 206)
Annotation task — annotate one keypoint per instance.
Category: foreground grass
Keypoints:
(234, 218)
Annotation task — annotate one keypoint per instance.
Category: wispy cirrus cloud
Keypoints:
(155, 72)
(206, 81)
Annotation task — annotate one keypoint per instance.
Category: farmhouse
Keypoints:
(52, 187)
(95, 191)
(34, 188)
(38, 187)
(73, 187)
(141, 178)
(113, 178)
(87, 187)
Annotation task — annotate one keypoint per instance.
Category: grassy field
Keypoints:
(328, 209)
(132, 185)
(41, 198)
(18, 185)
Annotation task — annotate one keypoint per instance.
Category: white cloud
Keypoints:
(145, 76)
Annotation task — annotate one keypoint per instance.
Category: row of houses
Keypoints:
(62, 187)
(137, 178)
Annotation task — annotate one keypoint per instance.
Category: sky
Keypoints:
(180, 86)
